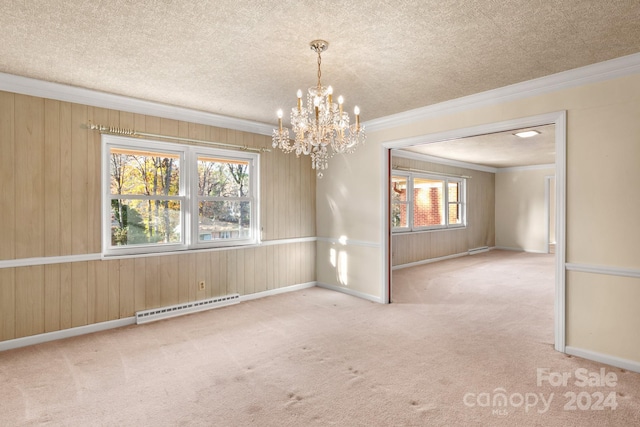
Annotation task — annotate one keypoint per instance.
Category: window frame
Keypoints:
(446, 179)
(253, 161)
(408, 202)
(188, 195)
(462, 202)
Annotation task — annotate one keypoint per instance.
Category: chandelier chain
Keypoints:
(319, 70)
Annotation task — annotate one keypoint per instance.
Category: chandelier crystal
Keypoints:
(321, 128)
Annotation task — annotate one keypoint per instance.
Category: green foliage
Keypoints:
(222, 179)
(128, 226)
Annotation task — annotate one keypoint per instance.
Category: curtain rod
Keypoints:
(402, 168)
(134, 133)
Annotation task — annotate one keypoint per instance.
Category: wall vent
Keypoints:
(146, 316)
(478, 250)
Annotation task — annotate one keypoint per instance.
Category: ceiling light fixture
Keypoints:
(527, 133)
(321, 129)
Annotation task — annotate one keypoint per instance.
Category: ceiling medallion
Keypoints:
(321, 128)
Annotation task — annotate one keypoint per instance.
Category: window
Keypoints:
(399, 202)
(425, 202)
(164, 197)
(224, 202)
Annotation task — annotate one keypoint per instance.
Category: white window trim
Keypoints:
(462, 201)
(410, 202)
(254, 185)
(188, 195)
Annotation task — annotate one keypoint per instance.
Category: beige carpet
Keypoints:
(459, 331)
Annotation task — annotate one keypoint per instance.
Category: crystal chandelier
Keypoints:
(321, 129)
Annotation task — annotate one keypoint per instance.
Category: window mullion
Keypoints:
(191, 191)
(410, 205)
(145, 197)
(446, 202)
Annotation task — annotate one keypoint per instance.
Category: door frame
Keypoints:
(547, 210)
(559, 119)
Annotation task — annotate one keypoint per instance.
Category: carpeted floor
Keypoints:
(461, 334)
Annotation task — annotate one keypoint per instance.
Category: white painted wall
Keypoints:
(603, 151)
(521, 209)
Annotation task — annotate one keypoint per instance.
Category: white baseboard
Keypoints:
(429, 261)
(103, 326)
(66, 333)
(629, 365)
(350, 292)
(479, 250)
(277, 291)
(529, 251)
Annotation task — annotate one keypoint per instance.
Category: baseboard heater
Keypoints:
(478, 250)
(146, 316)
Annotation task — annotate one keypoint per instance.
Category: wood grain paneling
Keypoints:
(7, 303)
(29, 300)
(183, 278)
(94, 178)
(51, 174)
(268, 259)
(152, 282)
(113, 289)
(7, 176)
(126, 297)
(79, 180)
(248, 268)
(223, 274)
(50, 205)
(98, 296)
(139, 279)
(169, 280)
(232, 277)
(240, 272)
(65, 295)
(275, 271)
(66, 226)
(260, 269)
(29, 176)
(52, 297)
(79, 294)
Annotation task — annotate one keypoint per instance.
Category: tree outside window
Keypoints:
(161, 196)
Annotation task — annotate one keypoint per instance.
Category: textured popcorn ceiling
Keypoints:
(246, 59)
(497, 150)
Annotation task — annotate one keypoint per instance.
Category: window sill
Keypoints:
(177, 251)
(428, 230)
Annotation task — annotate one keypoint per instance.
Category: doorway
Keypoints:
(556, 119)
(550, 211)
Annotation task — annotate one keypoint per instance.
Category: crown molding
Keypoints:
(439, 160)
(61, 92)
(614, 68)
(526, 168)
(607, 70)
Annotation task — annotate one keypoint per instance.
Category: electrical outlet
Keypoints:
(201, 285)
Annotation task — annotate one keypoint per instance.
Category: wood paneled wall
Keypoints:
(480, 231)
(50, 205)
